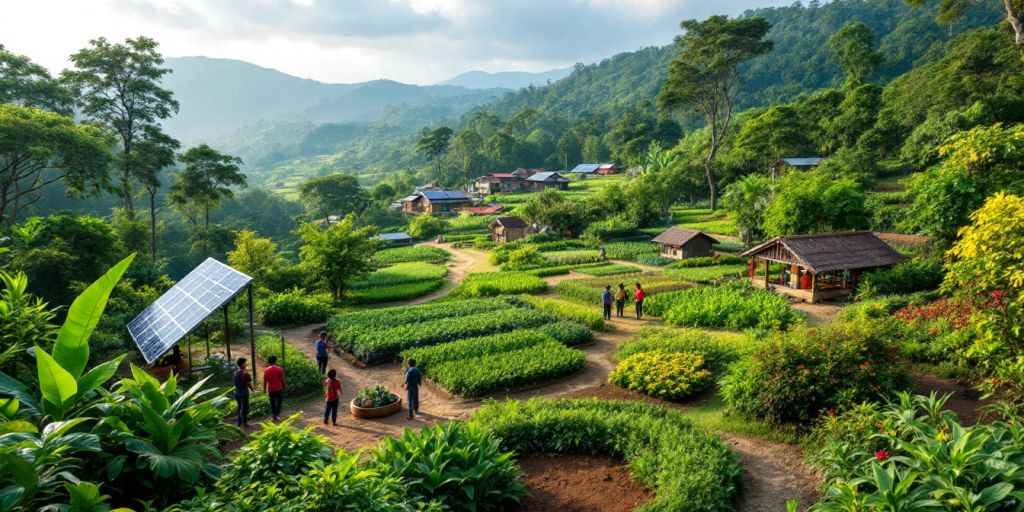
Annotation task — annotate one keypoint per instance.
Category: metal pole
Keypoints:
(252, 337)
(227, 336)
(189, 340)
(206, 329)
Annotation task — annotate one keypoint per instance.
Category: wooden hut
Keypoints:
(821, 266)
(508, 229)
(543, 180)
(435, 201)
(679, 243)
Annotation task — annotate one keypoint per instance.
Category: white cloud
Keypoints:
(418, 41)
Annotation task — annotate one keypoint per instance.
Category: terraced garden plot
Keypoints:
(424, 253)
(374, 345)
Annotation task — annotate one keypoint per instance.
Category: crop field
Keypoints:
(398, 282)
(422, 253)
(485, 284)
(707, 274)
(588, 291)
(703, 219)
(608, 270)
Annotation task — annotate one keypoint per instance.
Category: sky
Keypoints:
(344, 41)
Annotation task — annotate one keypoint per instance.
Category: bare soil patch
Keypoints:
(577, 483)
(964, 401)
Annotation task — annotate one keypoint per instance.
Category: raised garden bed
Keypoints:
(375, 412)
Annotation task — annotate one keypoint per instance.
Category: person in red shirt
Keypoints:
(332, 390)
(638, 296)
(274, 385)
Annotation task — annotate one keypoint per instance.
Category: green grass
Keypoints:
(422, 253)
(484, 284)
(707, 274)
(711, 415)
(401, 273)
(702, 219)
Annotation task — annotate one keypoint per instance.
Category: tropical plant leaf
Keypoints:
(72, 347)
(58, 386)
(14, 388)
(100, 374)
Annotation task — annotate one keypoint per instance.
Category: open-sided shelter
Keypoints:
(820, 266)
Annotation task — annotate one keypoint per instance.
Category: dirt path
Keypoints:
(463, 262)
(775, 473)
(964, 401)
(819, 314)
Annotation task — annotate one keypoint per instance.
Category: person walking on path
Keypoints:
(606, 301)
(322, 346)
(243, 385)
(274, 385)
(620, 300)
(332, 391)
(413, 376)
(638, 297)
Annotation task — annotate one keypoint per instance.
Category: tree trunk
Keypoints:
(712, 188)
(1018, 28)
(152, 225)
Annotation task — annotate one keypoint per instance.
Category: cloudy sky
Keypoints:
(416, 41)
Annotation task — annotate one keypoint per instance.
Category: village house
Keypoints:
(435, 201)
(396, 239)
(603, 169)
(508, 229)
(496, 182)
(800, 164)
(821, 266)
(543, 180)
(679, 243)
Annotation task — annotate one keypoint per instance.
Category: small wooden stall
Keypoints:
(508, 229)
(679, 243)
(821, 266)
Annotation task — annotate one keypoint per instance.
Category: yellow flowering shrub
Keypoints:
(660, 374)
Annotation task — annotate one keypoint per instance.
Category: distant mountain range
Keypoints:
(507, 79)
(221, 96)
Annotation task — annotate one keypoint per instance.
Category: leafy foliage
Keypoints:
(506, 371)
(302, 375)
(336, 255)
(483, 284)
(908, 277)
(423, 253)
(666, 375)
(566, 311)
(730, 306)
(294, 307)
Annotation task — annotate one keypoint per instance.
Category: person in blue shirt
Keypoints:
(606, 299)
(413, 376)
(322, 345)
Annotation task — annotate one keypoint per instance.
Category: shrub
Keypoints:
(274, 455)
(567, 311)
(907, 277)
(294, 307)
(794, 377)
(665, 375)
(507, 371)
(288, 277)
(687, 468)
(375, 346)
(349, 484)
(567, 333)
(525, 258)
(458, 465)
(718, 349)
(608, 270)
(427, 226)
(614, 227)
(920, 457)
(424, 253)
(401, 273)
(302, 374)
(484, 284)
(730, 307)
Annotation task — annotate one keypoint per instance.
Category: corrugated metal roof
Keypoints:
(394, 236)
(586, 168)
(679, 236)
(406, 199)
(607, 166)
(804, 161)
(824, 252)
(445, 195)
(543, 176)
(511, 222)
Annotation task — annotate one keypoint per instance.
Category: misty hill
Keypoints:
(507, 79)
(218, 97)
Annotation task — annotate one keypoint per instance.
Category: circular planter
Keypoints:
(375, 412)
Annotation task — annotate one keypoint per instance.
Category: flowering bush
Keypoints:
(660, 374)
(795, 377)
(377, 396)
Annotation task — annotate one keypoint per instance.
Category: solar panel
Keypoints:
(182, 308)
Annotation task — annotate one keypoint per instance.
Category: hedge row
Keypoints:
(302, 374)
(688, 469)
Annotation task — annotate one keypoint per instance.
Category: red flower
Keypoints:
(881, 455)
(995, 295)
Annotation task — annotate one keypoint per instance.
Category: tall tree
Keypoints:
(119, 86)
(334, 194)
(853, 46)
(26, 83)
(468, 147)
(434, 144)
(746, 200)
(39, 148)
(777, 132)
(704, 75)
(153, 153)
(257, 257)
(206, 178)
(337, 254)
(951, 11)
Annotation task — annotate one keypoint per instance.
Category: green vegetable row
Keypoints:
(350, 324)
(506, 371)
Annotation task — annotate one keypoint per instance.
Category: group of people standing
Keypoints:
(275, 385)
(619, 297)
